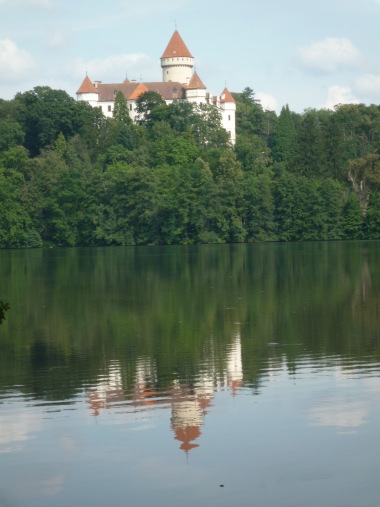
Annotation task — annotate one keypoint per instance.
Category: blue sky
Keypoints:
(298, 52)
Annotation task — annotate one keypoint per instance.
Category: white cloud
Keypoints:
(329, 55)
(116, 67)
(14, 430)
(339, 95)
(339, 414)
(369, 83)
(267, 101)
(14, 62)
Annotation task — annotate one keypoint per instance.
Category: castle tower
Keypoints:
(228, 110)
(88, 92)
(196, 90)
(176, 61)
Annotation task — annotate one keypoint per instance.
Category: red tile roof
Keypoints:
(176, 48)
(195, 83)
(168, 91)
(139, 90)
(226, 96)
(87, 86)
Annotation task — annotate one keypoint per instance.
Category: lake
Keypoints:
(215, 375)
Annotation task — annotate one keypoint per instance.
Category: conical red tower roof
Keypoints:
(176, 48)
(186, 435)
(226, 96)
(87, 86)
(195, 83)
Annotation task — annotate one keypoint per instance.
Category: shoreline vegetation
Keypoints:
(71, 177)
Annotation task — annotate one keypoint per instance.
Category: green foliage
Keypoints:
(16, 228)
(120, 112)
(352, 220)
(11, 134)
(125, 208)
(250, 116)
(171, 148)
(285, 138)
(44, 113)
(69, 176)
(371, 224)
(258, 207)
(308, 208)
(309, 157)
(150, 106)
(15, 158)
(253, 153)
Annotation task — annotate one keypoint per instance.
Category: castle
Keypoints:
(180, 82)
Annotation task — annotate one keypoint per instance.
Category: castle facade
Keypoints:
(180, 82)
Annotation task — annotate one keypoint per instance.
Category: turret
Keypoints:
(228, 110)
(177, 62)
(196, 90)
(88, 92)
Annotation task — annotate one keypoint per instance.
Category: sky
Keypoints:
(304, 53)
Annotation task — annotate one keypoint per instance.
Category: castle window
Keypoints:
(130, 107)
(229, 117)
(109, 108)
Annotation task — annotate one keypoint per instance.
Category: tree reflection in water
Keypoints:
(3, 308)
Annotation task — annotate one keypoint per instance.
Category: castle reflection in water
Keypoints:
(189, 404)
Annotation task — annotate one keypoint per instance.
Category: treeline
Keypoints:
(71, 177)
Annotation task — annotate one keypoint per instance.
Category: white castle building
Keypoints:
(179, 82)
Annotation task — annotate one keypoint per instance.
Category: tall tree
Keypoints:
(11, 134)
(150, 106)
(285, 138)
(250, 117)
(46, 113)
(309, 160)
(16, 228)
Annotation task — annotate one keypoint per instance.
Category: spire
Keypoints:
(195, 83)
(226, 96)
(176, 48)
(87, 86)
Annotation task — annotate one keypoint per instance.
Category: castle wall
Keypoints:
(91, 98)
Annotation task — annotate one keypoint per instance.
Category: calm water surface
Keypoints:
(155, 376)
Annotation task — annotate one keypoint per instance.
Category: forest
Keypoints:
(71, 177)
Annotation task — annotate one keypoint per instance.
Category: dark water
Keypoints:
(244, 375)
